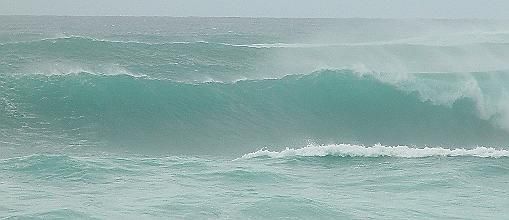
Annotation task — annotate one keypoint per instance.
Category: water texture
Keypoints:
(253, 118)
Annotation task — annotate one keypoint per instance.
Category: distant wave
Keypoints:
(63, 69)
(91, 39)
(349, 150)
(220, 60)
(269, 45)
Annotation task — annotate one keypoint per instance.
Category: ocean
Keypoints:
(253, 118)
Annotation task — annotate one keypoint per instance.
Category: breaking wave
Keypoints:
(348, 150)
(327, 106)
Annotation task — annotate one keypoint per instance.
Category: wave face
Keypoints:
(327, 106)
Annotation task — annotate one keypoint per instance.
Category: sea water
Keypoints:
(253, 118)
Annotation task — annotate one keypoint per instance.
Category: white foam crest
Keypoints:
(349, 150)
(71, 68)
(489, 94)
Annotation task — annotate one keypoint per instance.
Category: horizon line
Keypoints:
(260, 17)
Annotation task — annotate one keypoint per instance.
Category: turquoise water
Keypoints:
(241, 118)
(329, 187)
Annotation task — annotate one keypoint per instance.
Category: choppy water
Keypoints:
(233, 118)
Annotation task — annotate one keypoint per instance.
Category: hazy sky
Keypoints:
(265, 8)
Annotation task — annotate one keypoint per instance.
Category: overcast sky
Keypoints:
(265, 8)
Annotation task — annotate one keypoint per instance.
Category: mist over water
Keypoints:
(275, 115)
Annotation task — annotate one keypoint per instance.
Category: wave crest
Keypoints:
(378, 150)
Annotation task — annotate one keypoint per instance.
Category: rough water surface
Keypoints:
(253, 118)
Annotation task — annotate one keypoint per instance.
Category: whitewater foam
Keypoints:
(74, 68)
(349, 150)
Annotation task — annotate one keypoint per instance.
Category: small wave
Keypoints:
(348, 150)
(92, 39)
(89, 72)
(71, 68)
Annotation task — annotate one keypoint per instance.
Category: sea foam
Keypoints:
(378, 150)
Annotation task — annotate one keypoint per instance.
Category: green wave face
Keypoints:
(146, 114)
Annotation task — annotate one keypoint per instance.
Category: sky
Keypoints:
(498, 9)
